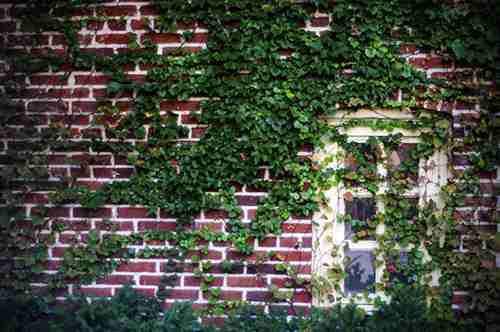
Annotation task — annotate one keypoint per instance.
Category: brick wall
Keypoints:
(51, 97)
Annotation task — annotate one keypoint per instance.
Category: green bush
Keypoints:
(130, 311)
(247, 319)
(406, 312)
(347, 318)
(23, 314)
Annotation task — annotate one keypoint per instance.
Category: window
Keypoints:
(346, 229)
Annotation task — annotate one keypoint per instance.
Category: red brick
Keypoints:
(117, 11)
(94, 291)
(248, 200)
(295, 256)
(58, 171)
(289, 242)
(92, 133)
(154, 225)
(247, 282)
(261, 296)
(301, 217)
(320, 21)
(162, 37)
(58, 93)
(92, 213)
(75, 120)
(125, 106)
(92, 159)
(296, 228)
(58, 251)
(180, 50)
(92, 185)
(52, 265)
(48, 80)
(214, 226)
(47, 106)
(116, 280)
(75, 225)
(198, 38)
(268, 242)
(213, 321)
(302, 297)
(95, 25)
(430, 62)
(68, 238)
(82, 11)
(61, 40)
(137, 267)
(36, 198)
(195, 282)
(137, 78)
(133, 213)
(211, 255)
(121, 226)
(27, 40)
(183, 294)
(103, 172)
(116, 25)
(226, 295)
(154, 280)
(284, 282)
(408, 48)
(458, 299)
(28, 120)
(307, 242)
(84, 106)
(198, 132)
(149, 292)
(251, 213)
(138, 25)
(58, 212)
(113, 38)
(101, 51)
(172, 105)
(215, 214)
(91, 79)
(149, 10)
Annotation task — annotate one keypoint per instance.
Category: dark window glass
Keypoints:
(359, 211)
(398, 269)
(361, 155)
(360, 162)
(360, 271)
(402, 164)
(412, 208)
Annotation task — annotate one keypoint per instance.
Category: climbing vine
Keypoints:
(266, 86)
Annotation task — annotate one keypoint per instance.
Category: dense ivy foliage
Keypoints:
(267, 86)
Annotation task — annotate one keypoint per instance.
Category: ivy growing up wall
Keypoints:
(259, 93)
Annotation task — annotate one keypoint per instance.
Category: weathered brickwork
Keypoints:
(53, 97)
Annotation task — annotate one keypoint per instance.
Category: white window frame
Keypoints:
(328, 228)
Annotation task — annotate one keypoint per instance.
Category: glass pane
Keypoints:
(398, 269)
(360, 271)
(412, 209)
(402, 165)
(360, 210)
(360, 161)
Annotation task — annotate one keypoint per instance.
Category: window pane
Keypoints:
(360, 210)
(398, 269)
(360, 271)
(402, 165)
(360, 161)
(412, 208)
